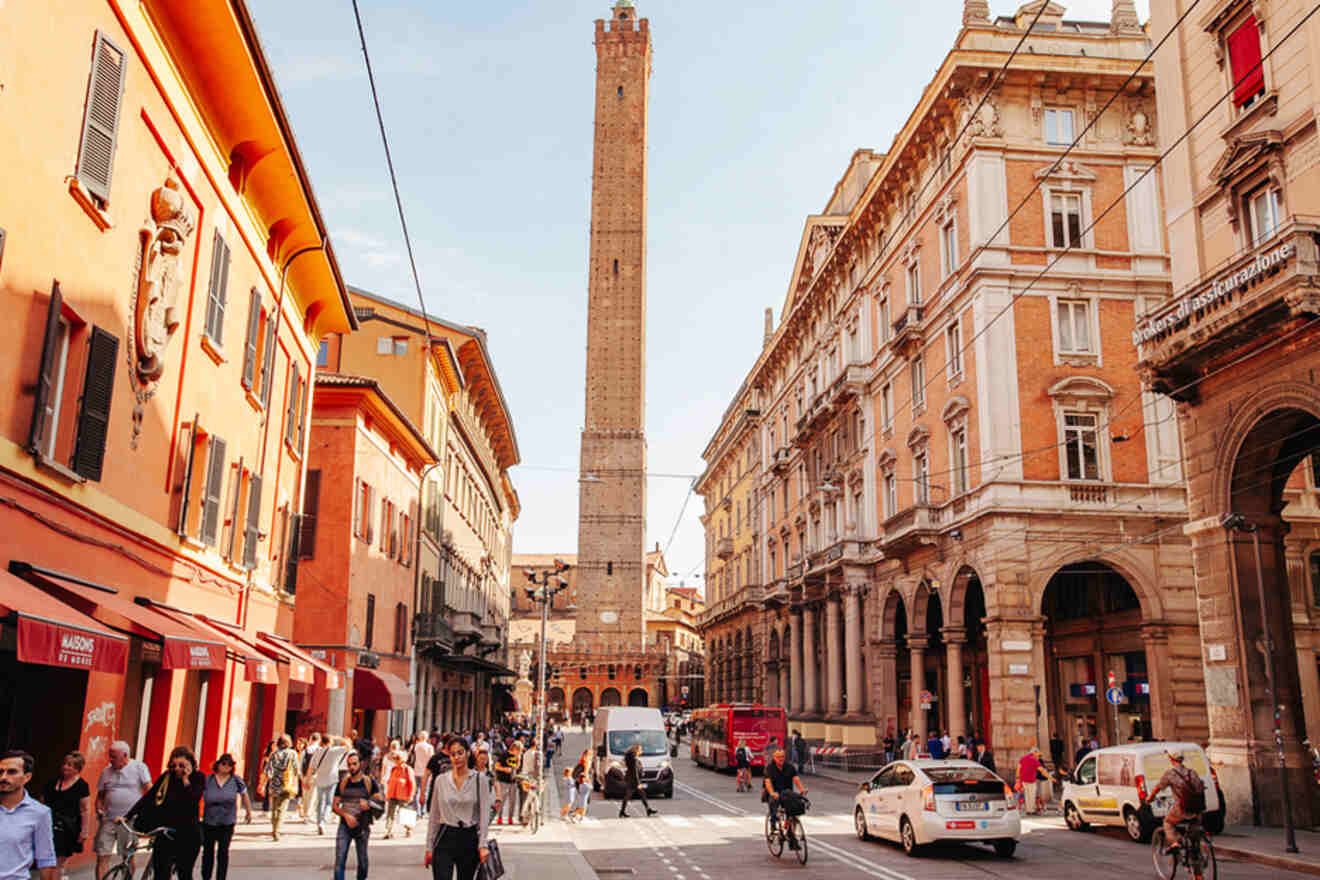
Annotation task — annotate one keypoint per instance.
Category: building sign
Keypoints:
(51, 644)
(1182, 310)
(1016, 646)
(1018, 669)
(187, 654)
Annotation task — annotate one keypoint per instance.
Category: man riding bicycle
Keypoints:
(1189, 797)
(781, 776)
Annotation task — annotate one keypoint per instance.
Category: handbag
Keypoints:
(493, 867)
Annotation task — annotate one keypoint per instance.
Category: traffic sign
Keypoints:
(1112, 680)
(1114, 695)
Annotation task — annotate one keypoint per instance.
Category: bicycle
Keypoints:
(744, 779)
(1197, 853)
(124, 870)
(531, 806)
(780, 827)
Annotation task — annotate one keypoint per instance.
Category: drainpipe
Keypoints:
(417, 591)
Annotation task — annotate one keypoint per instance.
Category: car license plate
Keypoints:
(972, 806)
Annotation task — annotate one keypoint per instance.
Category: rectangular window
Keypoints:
(1058, 127)
(215, 483)
(887, 407)
(385, 345)
(953, 341)
(921, 477)
(1081, 440)
(1075, 326)
(368, 631)
(400, 345)
(891, 495)
(311, 507)
(1264, 213)
(252, 342)
(958, 454)
(914, 284)
(100, 127)
(859, 513)
(217, 291)
(323, 354)
(949, 247)
(885, 325)
(918, 383)
(50, 393)
(1065, 220)
(97, 393)
(252, 529)
(1244, 58)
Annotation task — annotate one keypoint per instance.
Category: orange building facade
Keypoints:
(167, 275)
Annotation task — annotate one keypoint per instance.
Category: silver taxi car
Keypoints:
(924, 801)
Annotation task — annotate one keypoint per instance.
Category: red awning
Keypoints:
(258, 667)
(52, 633)
(326, 675)
(375, 689)
(183, 645)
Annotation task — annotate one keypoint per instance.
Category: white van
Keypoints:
(619, 728)
(1109, 784)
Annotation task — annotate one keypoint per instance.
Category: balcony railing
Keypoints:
(779, 460)
(908, 529)
(795, 571)
(724, 548)
(850, 382)
(432, 629)
(907, 329)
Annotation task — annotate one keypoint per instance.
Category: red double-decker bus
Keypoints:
(717, 729)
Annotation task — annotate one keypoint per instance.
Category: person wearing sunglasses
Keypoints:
(224, 791)
(173, 802)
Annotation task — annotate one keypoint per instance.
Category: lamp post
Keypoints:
(543, 592)
(1239, 523)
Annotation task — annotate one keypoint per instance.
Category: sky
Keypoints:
(755, 111)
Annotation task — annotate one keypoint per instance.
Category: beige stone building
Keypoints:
(1238, 349)
(970, 507)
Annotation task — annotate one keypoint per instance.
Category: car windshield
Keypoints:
(653, 741)
(959, 774)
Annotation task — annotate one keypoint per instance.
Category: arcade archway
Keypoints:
(582, 703)
(638, 697)
(611, 697)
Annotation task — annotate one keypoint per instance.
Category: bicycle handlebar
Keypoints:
(164, 829)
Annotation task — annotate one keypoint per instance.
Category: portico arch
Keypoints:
(611, 697)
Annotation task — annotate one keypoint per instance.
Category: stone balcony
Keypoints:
(909, 529)
(724, 547)
(839, 552)
(431, 629)
(794, 572)
(906, 328)
(779, 460)
(850, 382)
(775, 593)
(1249, 298)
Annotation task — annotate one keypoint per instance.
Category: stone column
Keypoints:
(1159, 668)
(887, 674)
(917, 647)
(953, 645)
(784, 694)
(852, 650)
(795, 659)
(810, 672)
(834, 672)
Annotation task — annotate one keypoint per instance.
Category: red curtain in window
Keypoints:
(1244, 57)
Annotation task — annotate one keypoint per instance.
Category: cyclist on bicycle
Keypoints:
(742, 757)
(781, 776)
(1188, 801)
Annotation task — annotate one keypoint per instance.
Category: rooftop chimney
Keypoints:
(769, 327)
(1123, 18)
(977, 12)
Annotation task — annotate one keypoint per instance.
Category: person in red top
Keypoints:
(400, 787)
(1029, 770)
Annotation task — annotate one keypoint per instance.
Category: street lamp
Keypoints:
(543, 592)
(1239, 523)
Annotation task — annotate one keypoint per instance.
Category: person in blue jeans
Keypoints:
(352, 804)
(324, 774)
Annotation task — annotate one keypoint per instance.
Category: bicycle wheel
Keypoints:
(1166, 863)
(118, 872)
(773, 840)
(800, 834)
(1205, 855)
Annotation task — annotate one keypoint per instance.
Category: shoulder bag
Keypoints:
(493, 867)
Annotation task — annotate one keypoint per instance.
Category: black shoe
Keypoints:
(792, 843)
(651, 812)
(623, 815)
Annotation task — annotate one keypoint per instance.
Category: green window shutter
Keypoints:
(252, 533)
(218, 291)
(181, 527)
(215, 478)
(268, 360)
(302, 417)
(98, 389)
(250, 346)
(46, 376)
(105, 94)
(311, 508)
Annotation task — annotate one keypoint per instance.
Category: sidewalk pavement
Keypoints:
(549, 855)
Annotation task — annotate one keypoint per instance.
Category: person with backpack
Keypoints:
(281, 780)
(742, 759)
(1188, 797)
(357, 800)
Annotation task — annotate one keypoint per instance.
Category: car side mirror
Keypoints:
(600, 751)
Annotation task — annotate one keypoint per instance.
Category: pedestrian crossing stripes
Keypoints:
(826, 822)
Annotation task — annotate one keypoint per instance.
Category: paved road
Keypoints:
(710, 832)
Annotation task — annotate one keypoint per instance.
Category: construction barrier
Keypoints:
(844, 758)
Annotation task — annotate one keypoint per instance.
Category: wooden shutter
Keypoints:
(215, 478)
(105, 94)
(268, 360)
(2, 248)
(371, 621)
(253, 531)
(302, 415)
(218, 291)
(357, 508)
(291, 562)
(46, 375)
(181, 527)
(98, 389)
(233, 512)
(370, 501)
(291, 417)
(311, 508)
(250, 346)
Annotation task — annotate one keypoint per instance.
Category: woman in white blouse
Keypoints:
(458, 826)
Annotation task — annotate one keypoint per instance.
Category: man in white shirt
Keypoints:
(946, 741)
(419, 755)
(531, 769)
(121, 783)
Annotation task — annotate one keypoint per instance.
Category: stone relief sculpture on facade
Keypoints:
(155, 313)
(984, 116)
(1140, 126)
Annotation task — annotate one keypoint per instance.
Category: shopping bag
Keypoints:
(493, 867)
(407, 817)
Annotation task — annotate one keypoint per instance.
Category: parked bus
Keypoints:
(717, 729)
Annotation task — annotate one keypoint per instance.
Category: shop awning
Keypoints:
(258, 667)
(54, 634)
(318, 671)
(183, 646)
(376, 689)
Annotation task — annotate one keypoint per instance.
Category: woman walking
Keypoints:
(632, 781)
(70, 802)
(582, 784)
(505, 792)
(220, 801)
(398, 788)
(458, 829)
(172, 802)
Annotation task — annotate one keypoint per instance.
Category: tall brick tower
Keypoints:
(612, 502)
